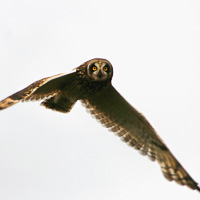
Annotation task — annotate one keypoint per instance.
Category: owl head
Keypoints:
(99, 69)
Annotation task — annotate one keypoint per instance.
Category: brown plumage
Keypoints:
(91, 83)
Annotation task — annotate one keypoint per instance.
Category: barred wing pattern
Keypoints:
(41, 89)
(115, 113)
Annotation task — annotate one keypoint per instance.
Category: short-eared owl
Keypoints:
(91, 83)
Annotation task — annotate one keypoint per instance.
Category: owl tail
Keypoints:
(59, 103)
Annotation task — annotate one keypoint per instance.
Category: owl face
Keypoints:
(99, 70)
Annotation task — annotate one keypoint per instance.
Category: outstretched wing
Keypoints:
(41, 89)
(114, 112)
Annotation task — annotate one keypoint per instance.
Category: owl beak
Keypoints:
(99, 74)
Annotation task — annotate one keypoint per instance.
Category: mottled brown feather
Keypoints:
(41, 89)
(115, 113)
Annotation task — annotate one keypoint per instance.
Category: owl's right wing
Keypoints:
(114, 112)
(41, 89)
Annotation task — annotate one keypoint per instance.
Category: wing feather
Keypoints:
(41, 89)
(115, 113)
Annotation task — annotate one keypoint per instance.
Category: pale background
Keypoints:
(154, 47)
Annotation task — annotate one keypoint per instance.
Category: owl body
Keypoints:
(88, 81)
(91, 83)
(84, 88)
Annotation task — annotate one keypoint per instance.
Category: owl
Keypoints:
(91, 84)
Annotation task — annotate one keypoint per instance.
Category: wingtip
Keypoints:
(198, 188)
(7, 103)
(194, 186)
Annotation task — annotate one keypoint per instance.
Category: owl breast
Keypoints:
(86, 89)
(83, 87)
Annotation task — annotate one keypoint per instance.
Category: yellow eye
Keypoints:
(105, 69)
(94, 68)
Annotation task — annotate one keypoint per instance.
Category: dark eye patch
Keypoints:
(106, 68)
(92, 67)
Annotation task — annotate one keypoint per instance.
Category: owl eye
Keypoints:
(106, 68)
(94, 68)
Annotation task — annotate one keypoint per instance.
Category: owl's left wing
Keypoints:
(115, 113)
(41, 89)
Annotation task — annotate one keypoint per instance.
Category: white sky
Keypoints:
(154, 47)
